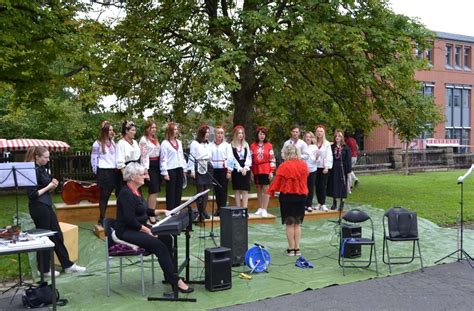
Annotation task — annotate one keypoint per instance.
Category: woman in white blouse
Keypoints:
(150, 159)
(323, 164)
(104, 165)
(242, 161)
(200, 167)
(310, 140)
(172, 166)
(127, 149)
(222, 165)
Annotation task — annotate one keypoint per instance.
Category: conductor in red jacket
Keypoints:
(290, 182)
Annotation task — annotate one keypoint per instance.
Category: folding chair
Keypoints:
(352, 217)
(400, 225)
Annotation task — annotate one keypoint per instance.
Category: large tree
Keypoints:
(271, 62)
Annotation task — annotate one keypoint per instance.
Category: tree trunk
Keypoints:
(407, 157)
(244, 100)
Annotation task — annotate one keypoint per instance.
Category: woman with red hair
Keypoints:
(263, 166)
(241, 166)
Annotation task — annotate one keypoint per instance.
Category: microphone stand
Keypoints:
(214, 182)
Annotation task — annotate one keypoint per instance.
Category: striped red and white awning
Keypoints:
(23, 144)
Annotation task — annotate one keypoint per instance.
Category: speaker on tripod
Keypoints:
(234, 232)
(217, 268)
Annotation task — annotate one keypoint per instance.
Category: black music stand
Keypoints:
(460, 251)
(172, 213)
(13, 176)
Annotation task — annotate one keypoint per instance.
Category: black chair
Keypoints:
(351, 218)
(118, 253)
(400, 225)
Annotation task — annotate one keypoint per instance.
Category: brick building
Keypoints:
(450, 81)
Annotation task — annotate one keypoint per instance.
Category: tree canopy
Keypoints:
(270, 63)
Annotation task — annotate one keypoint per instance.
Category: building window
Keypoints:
(427, 90)
(449, 55)
(429, 55)
(467, 58)
(458, 112)
(457, 56)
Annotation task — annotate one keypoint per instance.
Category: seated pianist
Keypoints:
(131, 225)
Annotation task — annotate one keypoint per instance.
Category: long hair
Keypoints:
(264, 130)
(104, 134)
(201, 133)
(32, 152)
(234, 137)
(169, 133)
(341, 133)
(316, 130)
(312, 136)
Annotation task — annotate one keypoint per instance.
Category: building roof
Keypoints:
(455, 37)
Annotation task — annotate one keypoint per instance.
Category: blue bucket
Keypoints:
(257, 259)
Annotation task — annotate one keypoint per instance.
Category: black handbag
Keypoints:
(41, 296)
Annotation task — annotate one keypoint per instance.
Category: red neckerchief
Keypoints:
(175, 146)
(134, 191)
(153, 140)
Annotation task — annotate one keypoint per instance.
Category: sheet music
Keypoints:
(180, 207)
(25, 174)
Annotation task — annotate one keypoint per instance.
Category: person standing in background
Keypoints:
(221, 156)
(338, 180)
(324, 164)
(351, 142)
(310, 140)
(104, 165)
(242, 162)
(200, 167)
(263, 166)
(173, 166)
(150, 159)
(295, 140)
(127, 150)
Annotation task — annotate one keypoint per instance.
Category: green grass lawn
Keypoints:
(434, 196)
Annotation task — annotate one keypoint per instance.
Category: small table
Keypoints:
(39, 244)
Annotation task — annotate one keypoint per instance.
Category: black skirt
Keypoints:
(292, 208)
(261, 179)
(154, 184)
(240, 182)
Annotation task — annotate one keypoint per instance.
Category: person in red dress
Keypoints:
(290, 182)
(263, 166)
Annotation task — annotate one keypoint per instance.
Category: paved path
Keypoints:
(442, 287)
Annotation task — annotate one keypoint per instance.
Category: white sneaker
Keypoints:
(323, 208)
(309, 209)
(259, 212)
(264, 213)
(75, 269)
(48, 274)
(318, 208)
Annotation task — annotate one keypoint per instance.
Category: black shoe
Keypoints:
(186, 291)
(333, 206)
(204, 215)
(341, 206)
(356, 183)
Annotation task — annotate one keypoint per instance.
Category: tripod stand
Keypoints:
(460, 251)
(16, 175)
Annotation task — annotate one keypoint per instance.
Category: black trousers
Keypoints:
(311, 185)
(107, 181)
(160, 246)
(220, 174)
(45, 218)
(174, 188)
(321, 185)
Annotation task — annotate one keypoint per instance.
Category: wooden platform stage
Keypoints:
(89, 212)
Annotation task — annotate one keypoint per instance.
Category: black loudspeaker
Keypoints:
(217, 268)
(351, 231)
(234, 232)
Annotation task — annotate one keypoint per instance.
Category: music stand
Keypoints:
(172, 213)
(15, 175)
(460, 251)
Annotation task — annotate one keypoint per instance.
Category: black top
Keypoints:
(43, 179)
(132, 211)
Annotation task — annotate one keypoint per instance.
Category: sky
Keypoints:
(453, 16)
